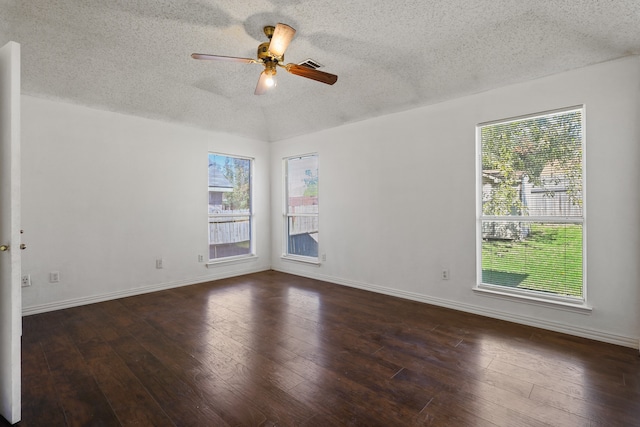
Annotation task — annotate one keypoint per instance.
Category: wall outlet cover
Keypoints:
(26, 280)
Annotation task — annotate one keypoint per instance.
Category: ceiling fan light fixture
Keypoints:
(282, 36)
(270, 74)
(267, 79)
(270, 80)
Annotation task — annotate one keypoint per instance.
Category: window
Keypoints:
(230, 211)
(530, 210)
(301, 216)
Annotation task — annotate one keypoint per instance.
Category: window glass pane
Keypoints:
(229, 182)
(533, 167)
(303, 236)
(229, 206)
(302, 184)
(229, 236)
(302, 206)
(545, 257)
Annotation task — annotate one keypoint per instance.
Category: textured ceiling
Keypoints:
(133, 56)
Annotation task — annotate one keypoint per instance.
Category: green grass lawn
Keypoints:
(548, 260)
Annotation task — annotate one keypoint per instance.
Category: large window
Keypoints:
(230, 211)
(530, 209)
(301, 215)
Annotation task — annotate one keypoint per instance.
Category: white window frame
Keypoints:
(252, 244)
(578, 304)
(287, 215)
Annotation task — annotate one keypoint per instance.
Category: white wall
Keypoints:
(105, 194)
(397, 200)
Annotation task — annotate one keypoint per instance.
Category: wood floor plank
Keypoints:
(459, 408)
(34, 362)
(82, 401)
(181, 402)
(214, 394)
(322, 420)
(348, 401)
(40, 402)
(129, 399)
(273, 349)
(600, 400)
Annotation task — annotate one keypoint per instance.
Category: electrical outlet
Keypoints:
(324, 257)
(54, 277)
(200, 258)
(159, 263)
(445, 274)
(26, 280)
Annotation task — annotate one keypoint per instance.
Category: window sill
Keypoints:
(232, 260)
(567, 305)
(303, 260)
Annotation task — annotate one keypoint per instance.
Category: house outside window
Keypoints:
(302, 208)
(531, 206)
(230, 209)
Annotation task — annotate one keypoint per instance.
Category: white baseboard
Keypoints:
(75, 302)
(473, 309)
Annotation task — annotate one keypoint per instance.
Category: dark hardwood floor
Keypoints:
(275, 349)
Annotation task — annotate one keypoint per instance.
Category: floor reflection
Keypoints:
(526, 374)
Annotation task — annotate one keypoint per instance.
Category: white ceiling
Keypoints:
(133, 56)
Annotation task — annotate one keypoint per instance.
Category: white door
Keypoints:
(10, 290)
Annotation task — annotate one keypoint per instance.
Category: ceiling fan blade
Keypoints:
(281, 38)
(262, 86)
(310, 73)
(222, 58)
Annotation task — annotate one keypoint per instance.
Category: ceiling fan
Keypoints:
(271, 55)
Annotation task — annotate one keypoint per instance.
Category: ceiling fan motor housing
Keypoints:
(266, 56)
